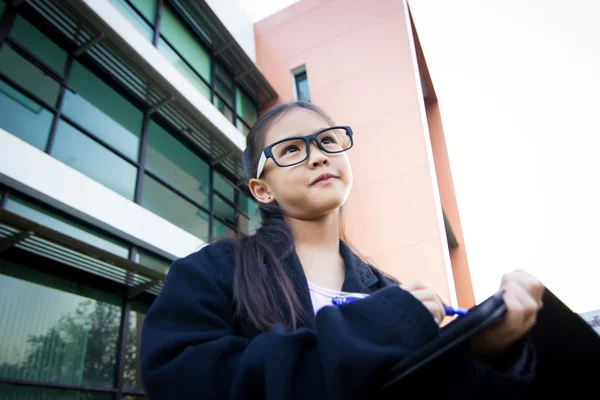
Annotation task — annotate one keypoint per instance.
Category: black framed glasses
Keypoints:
(295, 150)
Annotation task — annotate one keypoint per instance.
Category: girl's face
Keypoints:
(298, 189)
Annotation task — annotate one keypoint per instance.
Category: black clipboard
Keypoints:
(450, 336)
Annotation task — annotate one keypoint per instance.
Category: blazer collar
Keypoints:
(359, 277)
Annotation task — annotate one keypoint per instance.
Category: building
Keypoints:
(362, 63)
(121, 128)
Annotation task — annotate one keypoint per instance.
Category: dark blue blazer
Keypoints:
(193, 349)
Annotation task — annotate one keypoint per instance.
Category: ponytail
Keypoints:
(260, 277)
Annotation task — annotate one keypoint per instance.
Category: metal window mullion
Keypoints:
(213, 73)
(59, 104)
(211, 202)
(233, 100)
(50, 385)
(7, 20)
(236, 197)
(139, 186)
(157, 21)
(124, 331)
(5, 195)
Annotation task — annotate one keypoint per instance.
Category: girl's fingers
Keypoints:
(432, 301)
(413, 285)
(435, 310)
(528, 282)
(521, 310)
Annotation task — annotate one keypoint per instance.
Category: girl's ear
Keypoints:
(261, 191)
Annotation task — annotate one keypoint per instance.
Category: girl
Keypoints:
(249, 318)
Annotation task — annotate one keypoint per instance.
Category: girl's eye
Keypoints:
(290, 149)
(327, 140)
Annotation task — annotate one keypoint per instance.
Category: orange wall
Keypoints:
(458, 256)
(361, 70)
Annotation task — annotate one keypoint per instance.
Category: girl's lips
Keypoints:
(323, 177)
(325, 181)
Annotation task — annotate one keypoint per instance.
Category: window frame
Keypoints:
(62, 77)
(295, 73)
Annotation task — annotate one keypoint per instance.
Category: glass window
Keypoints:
(223, 75)
(245, 107)
(223, 210)
(65, 225)
(247, 225)
(19, 392)
(225, 110)
(132, 379)
(243, 224)
(222, 230)
(174, 59)
(223, 91)
(244, 203)
(39, 44)
(147, 8)
(167, 204)
(150, 260)
(54, 330)
(242, 128)
(103, 112)
(255, 220)
(224, 84)
(24, 117)
(302, 91)
(179, 36)
(82, 153)
(28, 76)
(224, 188)
(176, 164)
(134, 18)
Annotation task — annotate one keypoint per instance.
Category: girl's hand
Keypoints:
(428, 297)
(523, 298)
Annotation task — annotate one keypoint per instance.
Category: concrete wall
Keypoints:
(361, 67)
(518, 83)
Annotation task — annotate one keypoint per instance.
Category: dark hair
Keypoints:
(260, 276)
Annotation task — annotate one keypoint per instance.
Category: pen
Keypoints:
(339, 300)
(450, 311)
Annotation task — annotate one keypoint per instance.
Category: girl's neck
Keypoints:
(318, 248)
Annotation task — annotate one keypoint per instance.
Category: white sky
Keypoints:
(260, 9)
(518, 85)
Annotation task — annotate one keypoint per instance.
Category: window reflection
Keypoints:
(56, 331)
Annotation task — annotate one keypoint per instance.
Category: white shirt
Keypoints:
(322, 297)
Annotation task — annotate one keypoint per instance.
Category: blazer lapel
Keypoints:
(359, 276)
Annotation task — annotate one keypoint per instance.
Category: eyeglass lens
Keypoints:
(293, 151)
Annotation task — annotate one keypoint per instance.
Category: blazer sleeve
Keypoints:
(189, 348)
